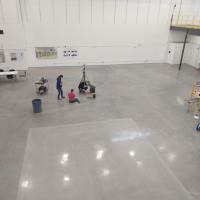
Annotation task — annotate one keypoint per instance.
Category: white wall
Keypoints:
(192, 51)
(103, 31)
(191, 54)
(102, 43)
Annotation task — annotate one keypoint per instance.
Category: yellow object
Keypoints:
(186, 26)
(188, 21)
(193, 92)
(194, 97)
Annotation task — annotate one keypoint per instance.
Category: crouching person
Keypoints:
(72, 97)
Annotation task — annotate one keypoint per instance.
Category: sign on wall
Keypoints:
(69, 52)
(13, 56)
(16, 55)
(46, 52)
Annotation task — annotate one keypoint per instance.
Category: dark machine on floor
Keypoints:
(85, 87)
(42, 86)
(198, 127)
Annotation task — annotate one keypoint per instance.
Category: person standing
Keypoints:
(59, 87)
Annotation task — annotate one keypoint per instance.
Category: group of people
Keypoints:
(71, 95)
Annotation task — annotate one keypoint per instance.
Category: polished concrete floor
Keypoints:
(110, 160)
(147, 96)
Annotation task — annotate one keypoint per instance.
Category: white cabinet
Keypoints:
(174, 53)
(192, 55)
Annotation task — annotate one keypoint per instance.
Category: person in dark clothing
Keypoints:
(59, 87)
(82, 87)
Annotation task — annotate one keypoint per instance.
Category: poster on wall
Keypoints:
(46, 52)
(16, 55)
(69, 52)
(2, 56)
(13, 56)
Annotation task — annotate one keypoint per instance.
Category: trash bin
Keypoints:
(37, 105)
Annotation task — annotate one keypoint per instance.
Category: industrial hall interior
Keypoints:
(99, 99)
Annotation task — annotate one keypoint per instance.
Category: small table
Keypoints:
(14, 73)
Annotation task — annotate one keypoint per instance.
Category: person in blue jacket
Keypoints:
(59, 87)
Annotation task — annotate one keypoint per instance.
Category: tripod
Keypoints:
(84, 85)
(84, 78)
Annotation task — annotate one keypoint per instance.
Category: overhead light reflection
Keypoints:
(171, 157)
(105, 172)
(66, 179)
(64, 158)
(127, 135)
(132, 153)
(99, 155)
(139, 163)
(162, 147)
(25, 184)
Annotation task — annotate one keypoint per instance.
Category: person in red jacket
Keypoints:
(72, 97)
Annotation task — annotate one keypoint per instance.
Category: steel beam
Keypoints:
(183, 50)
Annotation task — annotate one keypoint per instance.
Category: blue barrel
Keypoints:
(37, 105)
(198, 127)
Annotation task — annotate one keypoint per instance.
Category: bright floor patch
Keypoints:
(109, 160)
